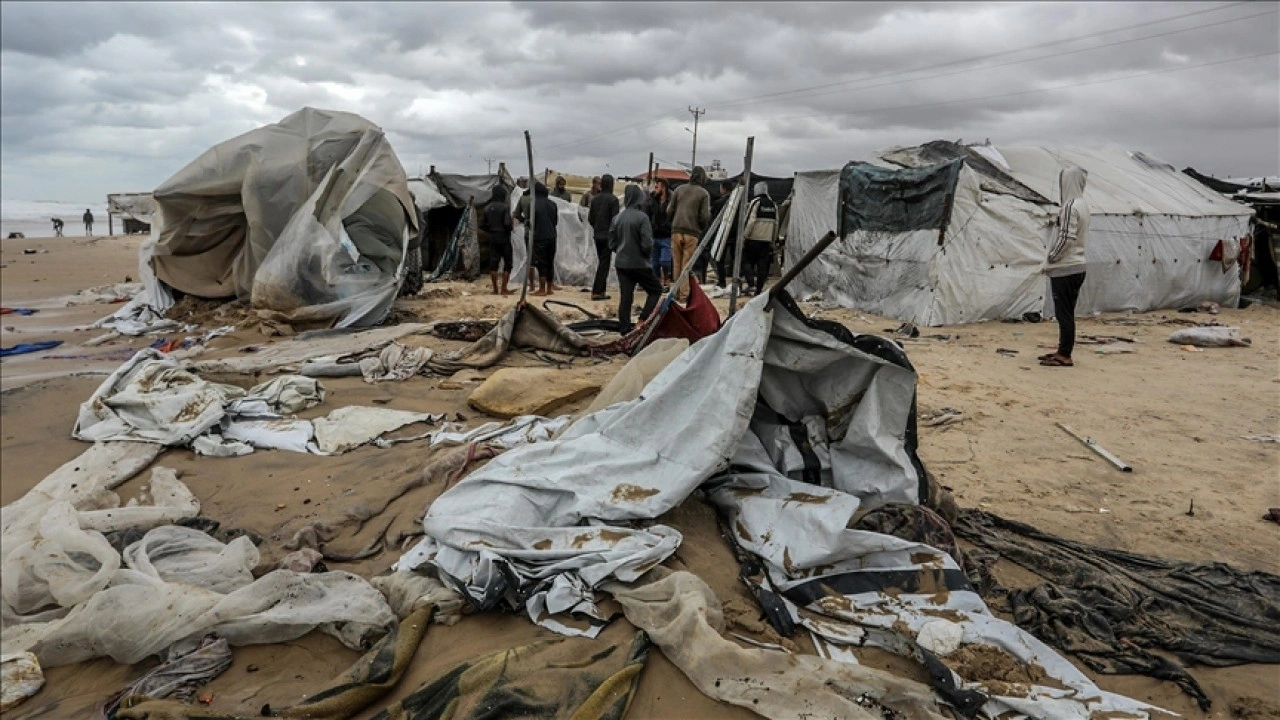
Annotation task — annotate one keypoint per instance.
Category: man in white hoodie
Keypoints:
(1066, 264)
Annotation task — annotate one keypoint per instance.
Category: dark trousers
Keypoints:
(1066, 291)
(603, 256)
(724, 266)
(757, 257)
(628, 279)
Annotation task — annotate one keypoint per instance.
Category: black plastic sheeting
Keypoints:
(1123, 613)
(896, 200)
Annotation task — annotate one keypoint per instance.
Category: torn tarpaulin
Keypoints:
(792, 426)
(1117, 610)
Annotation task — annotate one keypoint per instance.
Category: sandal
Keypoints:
(1056, 360)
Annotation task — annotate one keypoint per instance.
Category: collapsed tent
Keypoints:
(453, 205)
(310, 217)
(134, 210)
(945, 233)
(793, 429)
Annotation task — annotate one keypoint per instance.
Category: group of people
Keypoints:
(88, 224)
(648, 238)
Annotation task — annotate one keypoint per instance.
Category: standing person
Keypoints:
(521, 212)
(631, 237)
(57, 227)
(761, 234)
(88, 222)
(562, 191)
(588, 195)
(690, 213)
(660, 256)
(545, 220)
(1066, 263)
(603, 209)
(724, 265)
(497, 221)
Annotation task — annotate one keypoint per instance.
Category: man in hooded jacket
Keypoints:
(545, 219)
(761, 234)
(496, 221)
(690, 213)
(631, 237)
(1065, 264)
(600, 215)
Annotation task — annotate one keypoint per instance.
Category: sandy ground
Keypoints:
(1177, 417)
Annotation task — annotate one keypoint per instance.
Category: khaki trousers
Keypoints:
(682, 249)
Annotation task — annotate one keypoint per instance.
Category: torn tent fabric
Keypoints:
(1117, 611)
(791, 427)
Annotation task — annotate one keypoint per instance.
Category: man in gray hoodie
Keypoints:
(1066, 264)
(631, 238)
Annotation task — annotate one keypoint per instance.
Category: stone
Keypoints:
(511, 392)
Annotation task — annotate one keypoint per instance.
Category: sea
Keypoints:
(34, 218)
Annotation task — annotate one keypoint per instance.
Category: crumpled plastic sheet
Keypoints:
(20, 678)
(174, 584)
(180, 675)
(1214, 336)
(395, 362)
(816, 424)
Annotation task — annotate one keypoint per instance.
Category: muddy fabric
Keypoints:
(184, 672)
(684, 618)
(568, 678)
(1116, 610)
(522, 327)
(370, 678)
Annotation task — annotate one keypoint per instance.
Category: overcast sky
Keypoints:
(102, 98)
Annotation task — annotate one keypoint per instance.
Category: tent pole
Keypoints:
(742, 225)
(528, 226)
(649, 172)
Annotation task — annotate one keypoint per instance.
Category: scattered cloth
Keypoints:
(356, 689)
(683, 617)
(303, 560)
(563, 678)
(20, 678)
(1215, 336)
(395, 362)
(1117, 610)
(184, 671)
(32, 347)
(350, 427)
(289, 394)
(17, 311)
(1262, 438)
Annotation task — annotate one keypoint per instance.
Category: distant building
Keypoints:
(715, 172)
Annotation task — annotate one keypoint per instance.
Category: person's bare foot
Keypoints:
(505, 291)
(539, 293)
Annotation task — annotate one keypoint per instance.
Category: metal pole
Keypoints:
(649, 172)
(528, 227)
(742, 225)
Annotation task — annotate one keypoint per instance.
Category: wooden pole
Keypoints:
(648, 175)
(742, 224)
(528, 226)
(110, 225)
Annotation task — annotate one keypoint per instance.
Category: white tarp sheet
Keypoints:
(543, 525)
(575, 246)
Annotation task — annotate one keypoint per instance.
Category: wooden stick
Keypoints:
(528, 227)
(742, 225)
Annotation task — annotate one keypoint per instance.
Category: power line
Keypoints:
(1027, 60)
(639, 125)
(1030, 92)
(984, 57)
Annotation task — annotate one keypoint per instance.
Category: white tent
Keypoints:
(575, 246)
(1151, 229)
(980, 256)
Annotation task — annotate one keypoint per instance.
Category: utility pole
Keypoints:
(489, 163)
(697, 113)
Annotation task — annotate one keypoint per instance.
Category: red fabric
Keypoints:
(696, 320)
(1217, 252)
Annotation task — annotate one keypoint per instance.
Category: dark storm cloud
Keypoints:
(100, 97)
